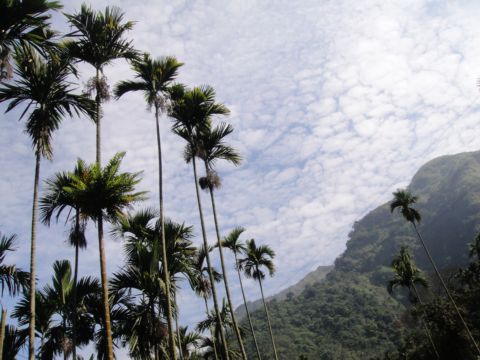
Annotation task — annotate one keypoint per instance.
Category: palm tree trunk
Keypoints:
(209, 265)
(246, 309)
(211, 331)
(452, 301)
(166, 275)
(179, 340)
(97, 119)
(103, 273)
(75, 279)
(424, 323)
(268, 320)
(224, 273)
(2, 331)
(33, 248)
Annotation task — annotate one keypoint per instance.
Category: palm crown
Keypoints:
(99, 36)
(11, 278)
(23, 23)
(406, 273)
(192, 111)
(403, 200)
(232, 241)
(45, 86)
(257, 257)
(105, 190)
(154, 77)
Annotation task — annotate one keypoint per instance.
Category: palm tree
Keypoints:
(257, 258)
(407, 275)
(202, 286)
(232, 241)
(142, 273)
(211, 147)
(154, 77)
(181, 257)
(14, 341)
(45, 87)
(55, 200)
(59, 296)
(15, 280)
(12, 278)
(23, 23)
(211, 322)
(189, 342)
(404, 200)
(43, 315)
(99, 39)
(191, 114)
(104, 193)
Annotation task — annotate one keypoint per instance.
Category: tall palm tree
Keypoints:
(211, 147)
(105, 193)
(258, 257)
(58, 295)
(54, 201)
(407, 275)
(202, 286)
(44, 86)
(232, 241)
(23, 23)
(99, 38)
(142, 273)
(43, 315)
(154, 77)
(403, 200)
(191, 114)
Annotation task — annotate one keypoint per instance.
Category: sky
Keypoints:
(335, 105)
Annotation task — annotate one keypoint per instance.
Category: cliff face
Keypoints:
(349, 315)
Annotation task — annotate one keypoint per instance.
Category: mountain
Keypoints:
(311, 278)
(349, 315)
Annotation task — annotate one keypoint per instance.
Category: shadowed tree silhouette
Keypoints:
(210, 147)
(153, 79)
(23, 23)
(103, 194)
(45, 87)
(407, 275)
(54, 201)
(191, 113)
(257, 258)
(98, 39)
(403, 200)
(232, 241)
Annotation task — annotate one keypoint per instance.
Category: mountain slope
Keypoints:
(349, 315)
(311, 278)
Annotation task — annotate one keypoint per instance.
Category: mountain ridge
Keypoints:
(349, 315)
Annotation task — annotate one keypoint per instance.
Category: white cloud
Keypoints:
(335, 105)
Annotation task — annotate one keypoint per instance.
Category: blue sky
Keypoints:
(335, 104)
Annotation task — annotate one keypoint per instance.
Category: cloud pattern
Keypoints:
(335, 105)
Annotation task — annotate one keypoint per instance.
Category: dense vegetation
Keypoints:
(350, 314)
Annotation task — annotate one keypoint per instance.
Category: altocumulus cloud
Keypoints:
(335, 105)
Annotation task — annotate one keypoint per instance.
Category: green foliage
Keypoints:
(350, 315)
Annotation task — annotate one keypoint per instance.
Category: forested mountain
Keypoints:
(311, 278)
(350, 315)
